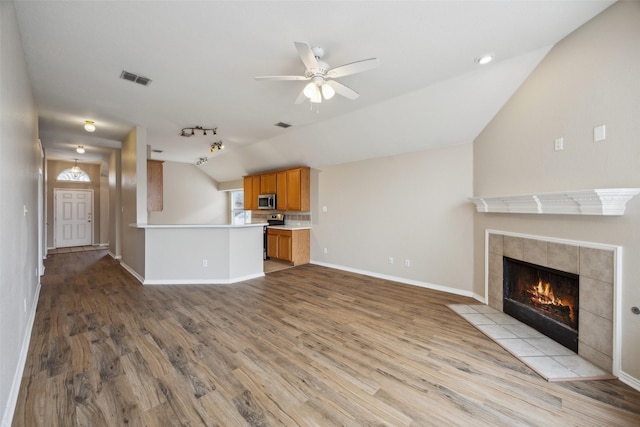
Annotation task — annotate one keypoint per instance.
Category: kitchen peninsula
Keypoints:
(201, 254)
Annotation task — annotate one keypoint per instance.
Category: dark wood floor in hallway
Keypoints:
(305, 346)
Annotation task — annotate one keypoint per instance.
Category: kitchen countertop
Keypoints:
(290, 227)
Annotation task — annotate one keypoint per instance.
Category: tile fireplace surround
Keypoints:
(596, 265)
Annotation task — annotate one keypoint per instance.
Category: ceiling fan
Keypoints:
(322, 83)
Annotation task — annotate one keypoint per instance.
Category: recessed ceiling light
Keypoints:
(484, 59)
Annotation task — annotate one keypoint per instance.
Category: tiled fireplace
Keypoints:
(595, 264)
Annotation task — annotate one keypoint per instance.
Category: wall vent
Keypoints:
(144, 81)
(283, 125)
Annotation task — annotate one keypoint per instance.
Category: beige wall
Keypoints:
(133, 196)
(20, 162)
(115, 209)
(54, 167)
(588, 79)
(411, 206)
(190, 197)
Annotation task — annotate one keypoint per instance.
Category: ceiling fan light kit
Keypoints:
(322, 84)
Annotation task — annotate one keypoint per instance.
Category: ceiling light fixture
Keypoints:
(75, 170)
(216, 146)
(89, 126)
(187, 132)
(484, 59)
(80, 149)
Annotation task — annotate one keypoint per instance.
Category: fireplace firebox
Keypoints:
(543, 298)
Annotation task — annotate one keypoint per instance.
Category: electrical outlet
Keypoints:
(205, 263)
(390, 260)
(407, 263)
(25, 305)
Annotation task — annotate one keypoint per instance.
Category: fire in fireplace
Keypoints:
(543, 298)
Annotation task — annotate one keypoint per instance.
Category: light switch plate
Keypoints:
(599, 133)
(559, 144)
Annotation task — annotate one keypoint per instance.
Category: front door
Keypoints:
(73, 224)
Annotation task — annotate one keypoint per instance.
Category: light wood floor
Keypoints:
(305, 346)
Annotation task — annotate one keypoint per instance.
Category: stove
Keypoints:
(275, 219)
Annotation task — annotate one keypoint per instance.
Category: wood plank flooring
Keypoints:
(305, 346)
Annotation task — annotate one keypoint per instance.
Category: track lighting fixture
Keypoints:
(216, 146)
(187, 132)
(80, 149)
(89, 126)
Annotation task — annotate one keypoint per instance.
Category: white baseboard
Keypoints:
(24, 350)
(202, 281)
(133, 272)
(629, 380)
(435, 287)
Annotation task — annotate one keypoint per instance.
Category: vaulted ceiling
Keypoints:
(202, 58)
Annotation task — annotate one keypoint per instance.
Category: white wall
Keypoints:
(588, 79)
(19, 163)
(411, 206)
(190, 197)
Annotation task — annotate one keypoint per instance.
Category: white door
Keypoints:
(73, 223)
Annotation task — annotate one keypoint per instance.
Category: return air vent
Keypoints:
(283, 125)
(144, 81)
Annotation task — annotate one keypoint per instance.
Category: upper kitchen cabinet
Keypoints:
(291, 187)
(268, 183)
(154, 186)
(297, 184)
(251, 192)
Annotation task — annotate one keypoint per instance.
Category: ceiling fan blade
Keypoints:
(282, 78)
(306, 55)
(343, 90)
(353, 68)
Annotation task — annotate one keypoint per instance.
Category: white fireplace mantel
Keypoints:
(608, 201)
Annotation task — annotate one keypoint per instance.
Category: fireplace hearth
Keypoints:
(543, 298)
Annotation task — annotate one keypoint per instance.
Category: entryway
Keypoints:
(73, 217)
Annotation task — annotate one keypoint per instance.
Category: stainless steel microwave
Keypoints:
(267, 201)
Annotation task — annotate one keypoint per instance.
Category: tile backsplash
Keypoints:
(297, 218)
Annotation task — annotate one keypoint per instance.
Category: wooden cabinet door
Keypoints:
(293, 190)
(154, 186)
(284, 246)
(268, 183)
(272, 243)
(255, 187)
(249, 203)
(281, 190)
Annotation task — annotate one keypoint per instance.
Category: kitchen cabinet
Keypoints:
(291, 186)
(154, 185)
(251, 192)
(292, 246)
(268, 183)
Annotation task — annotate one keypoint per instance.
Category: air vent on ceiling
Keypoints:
(283, 125)
(144, 81)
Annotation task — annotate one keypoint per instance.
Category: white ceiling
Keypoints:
(202, 57)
